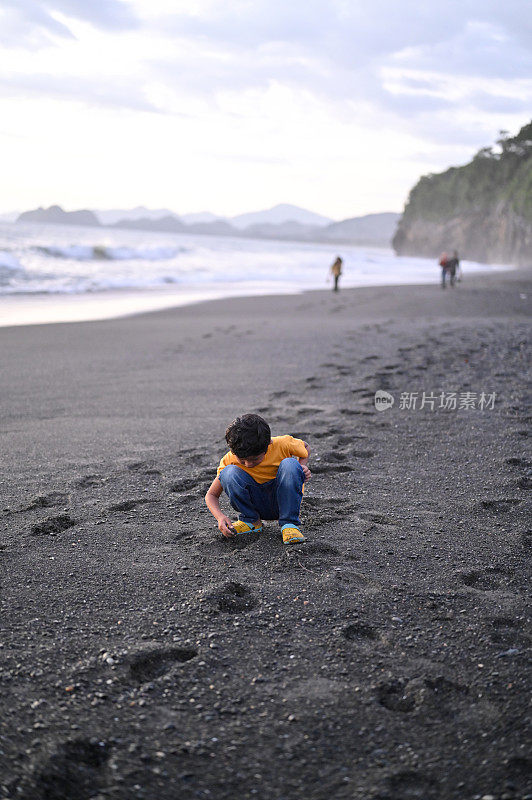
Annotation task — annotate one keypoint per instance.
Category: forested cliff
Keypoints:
(483, 209)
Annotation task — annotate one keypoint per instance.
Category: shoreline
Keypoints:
(49, 309)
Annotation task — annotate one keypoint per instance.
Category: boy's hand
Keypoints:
(304, 463)
(225, 526)
(307, 472)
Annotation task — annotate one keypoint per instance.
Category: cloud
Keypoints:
(479, 49)
(409, 65)
(499, 104)
(339, 51)
(345, 33)
(110, 15)
(29, 24)
(115, 94)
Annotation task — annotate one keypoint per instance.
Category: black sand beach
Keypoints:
(144, 656)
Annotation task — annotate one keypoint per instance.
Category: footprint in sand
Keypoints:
(325, 434)
(194, 459)
(525, 481)
(359, 631)
(53, 525)
(305, 435)
(383, 380)
(508, 632)
(148, 665)
(518, 462)
(89, 482)
(76, 768)
(409, 785)
(129, 505)
(48, 501)
(334, 455)
(443, 697)
(140, 466)
(438, 696)
(500, 506)
(361, 411)
(144, 467)
(518, 770)
(231, 597)
(396, 695)
(353, 412)
(42, 501)
(487, 579)
(183, 485)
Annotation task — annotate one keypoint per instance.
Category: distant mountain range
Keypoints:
(279, 215)
(284, 222)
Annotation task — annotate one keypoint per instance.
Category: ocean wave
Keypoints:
(10, 269)
(8, 261)
(80, 252)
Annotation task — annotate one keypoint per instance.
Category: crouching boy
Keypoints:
(262, 477)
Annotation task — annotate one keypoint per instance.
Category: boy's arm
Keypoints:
(212, 498)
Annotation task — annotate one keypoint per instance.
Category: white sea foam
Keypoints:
(104, 252)
(61, 260)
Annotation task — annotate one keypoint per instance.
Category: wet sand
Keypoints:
(144, 656)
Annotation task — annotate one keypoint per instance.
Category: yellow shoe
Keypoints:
(246, 527)
(292, 535)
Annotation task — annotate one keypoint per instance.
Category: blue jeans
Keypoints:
(277, 499)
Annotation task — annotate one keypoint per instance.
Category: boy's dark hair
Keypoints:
(248, 436)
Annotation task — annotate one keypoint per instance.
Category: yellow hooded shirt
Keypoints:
(280, 447)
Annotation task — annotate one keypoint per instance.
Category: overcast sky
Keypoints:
(236, 105)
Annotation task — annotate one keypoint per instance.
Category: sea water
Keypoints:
(58, 273)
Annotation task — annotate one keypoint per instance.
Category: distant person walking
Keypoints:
(336, 271)
(448, 267)
(453, 265)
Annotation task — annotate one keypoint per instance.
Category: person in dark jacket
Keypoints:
(451, 268)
